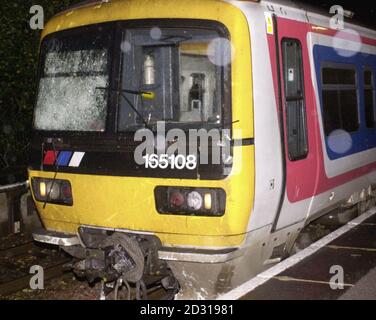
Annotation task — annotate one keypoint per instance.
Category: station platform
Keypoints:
(350, 251)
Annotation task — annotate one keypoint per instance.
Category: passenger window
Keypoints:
(340, 98)
(295, 100)
(369, 98)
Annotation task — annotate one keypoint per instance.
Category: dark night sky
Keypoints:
(365, 11)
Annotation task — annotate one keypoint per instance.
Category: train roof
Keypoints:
(294, 4)
(308, 6)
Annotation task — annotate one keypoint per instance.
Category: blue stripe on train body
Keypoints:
(365, 138)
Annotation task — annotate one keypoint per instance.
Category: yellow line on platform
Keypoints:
(352, 248)
(287, 279)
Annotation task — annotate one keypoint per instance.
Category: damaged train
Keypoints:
(294, 95)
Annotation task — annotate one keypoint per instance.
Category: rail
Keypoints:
(52, 270)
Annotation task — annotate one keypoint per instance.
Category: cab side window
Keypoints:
(295, 99)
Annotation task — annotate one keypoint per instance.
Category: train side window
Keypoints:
(340, 98)
(369, 98)
(296, 124)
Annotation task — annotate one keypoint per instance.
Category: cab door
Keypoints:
(296, 112)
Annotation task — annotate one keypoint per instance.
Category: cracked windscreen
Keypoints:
(73, 67)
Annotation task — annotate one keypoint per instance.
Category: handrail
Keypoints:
(14, 187)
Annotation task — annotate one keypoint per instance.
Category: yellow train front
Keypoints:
(116, 71)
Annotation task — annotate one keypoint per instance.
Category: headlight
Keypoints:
(52, 191)
(194, 200)
(190, 201)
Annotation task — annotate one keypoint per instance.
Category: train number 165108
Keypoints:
(165, 161)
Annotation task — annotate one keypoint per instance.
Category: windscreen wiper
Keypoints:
(180, 39)
(170, 41)
(122, 92)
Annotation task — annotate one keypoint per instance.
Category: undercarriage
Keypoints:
(127, 265)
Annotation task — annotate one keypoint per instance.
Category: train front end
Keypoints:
(142, 161)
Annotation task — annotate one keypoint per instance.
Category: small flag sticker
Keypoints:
(63, 158)
(50, 158)
(76, 160)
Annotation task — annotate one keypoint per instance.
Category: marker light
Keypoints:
(66, 190)
(208, 201)
(42, 189)
(176, 199)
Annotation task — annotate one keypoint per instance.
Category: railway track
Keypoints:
(24, 282)
(11, 257)
(53, 270)
(17, 250)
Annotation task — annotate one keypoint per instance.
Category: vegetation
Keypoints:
(18, 64)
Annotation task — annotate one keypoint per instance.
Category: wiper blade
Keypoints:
(135, 92)
(181, 37)
(170, 41)
(144, 94)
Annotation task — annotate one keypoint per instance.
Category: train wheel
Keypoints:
(123, 243)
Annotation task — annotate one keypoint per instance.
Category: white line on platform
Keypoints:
(263, 277)
(290, 279)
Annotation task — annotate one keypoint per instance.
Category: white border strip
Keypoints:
(263, 277)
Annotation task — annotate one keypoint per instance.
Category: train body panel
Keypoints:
(317, 177)
(129, 204)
